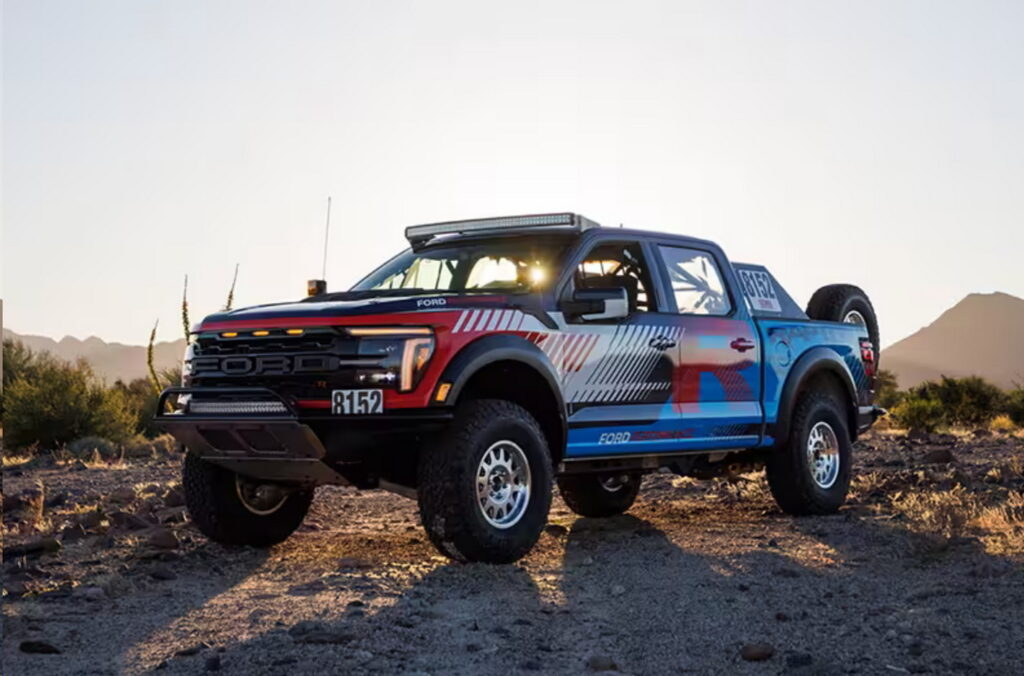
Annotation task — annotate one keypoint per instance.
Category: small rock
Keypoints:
(15, 588)
(618, 590)
(164, 538)
(311, 631)
(38, 648)
(122, 494)
(90, 520)
(163, 573)
(352, 562)
(757, 652)
(786, 572)
(38, 546)
(73, 533)
(356, 604)
(601, 663)
(90, 593)
(938, 456)
(556, 530)
(213, 663)
(797, 660)
(362, 655)
(174, 498)
(192, 650)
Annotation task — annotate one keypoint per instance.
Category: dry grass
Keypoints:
(940, 517)
(1004, 525)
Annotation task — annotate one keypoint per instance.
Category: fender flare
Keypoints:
(503, 347)
(811, 363)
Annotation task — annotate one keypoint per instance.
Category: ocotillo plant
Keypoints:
(231, 291)
(184, 309)
(149, 358)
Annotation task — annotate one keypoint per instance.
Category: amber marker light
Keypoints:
(261, 333)
(442, 392)
(229, 334)
(294, 332)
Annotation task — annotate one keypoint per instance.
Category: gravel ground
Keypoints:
(696, 577)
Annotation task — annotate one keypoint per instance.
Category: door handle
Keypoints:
(661, 343)
(742, 344)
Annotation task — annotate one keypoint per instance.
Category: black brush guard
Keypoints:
(267, 446)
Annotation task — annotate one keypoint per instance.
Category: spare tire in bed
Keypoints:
(845, 303)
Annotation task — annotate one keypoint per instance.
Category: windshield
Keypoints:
(505, 265)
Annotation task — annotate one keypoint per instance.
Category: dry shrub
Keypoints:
(1002, 424)
(1004, 524)
(941, 517)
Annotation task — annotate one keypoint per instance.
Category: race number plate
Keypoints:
(760, 290)
(357, 402)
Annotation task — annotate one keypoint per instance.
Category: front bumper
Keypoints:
(273, 446)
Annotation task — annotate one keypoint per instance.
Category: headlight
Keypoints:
(413, 344)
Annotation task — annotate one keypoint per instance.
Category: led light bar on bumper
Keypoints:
(418, 234)
(415, 344)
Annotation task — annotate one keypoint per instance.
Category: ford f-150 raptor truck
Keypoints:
(496, 357)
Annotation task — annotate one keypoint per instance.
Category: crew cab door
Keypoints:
(716, 391)
(619, 392)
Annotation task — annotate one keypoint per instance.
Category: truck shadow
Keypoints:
(656, 592)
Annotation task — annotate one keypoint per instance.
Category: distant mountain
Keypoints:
(110, 361)
(982, 335)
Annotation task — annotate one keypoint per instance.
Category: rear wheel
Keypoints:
(847, 304)
(229, 508)
(485, 487)
(811, 473)
(598, 495)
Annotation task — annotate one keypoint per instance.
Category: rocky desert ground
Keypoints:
(922, 572)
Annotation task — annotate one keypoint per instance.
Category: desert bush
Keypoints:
(1014, 406)
(62, 402)
(887, 389)
(919, 413)
(88, 448)
(970, 401)
(1002, 423)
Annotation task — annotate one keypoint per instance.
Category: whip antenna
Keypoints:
(315, 287)
(327, 234)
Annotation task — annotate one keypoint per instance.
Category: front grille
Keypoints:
(219, 347)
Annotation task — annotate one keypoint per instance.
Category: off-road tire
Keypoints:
(213, 504)
(447, 483)
(833, 302)
(586, 494)
(788, 467)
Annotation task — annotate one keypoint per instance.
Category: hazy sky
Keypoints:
(879, 143)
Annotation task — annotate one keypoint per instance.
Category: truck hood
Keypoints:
(335, 305)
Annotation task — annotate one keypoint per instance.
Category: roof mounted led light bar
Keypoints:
(419, 234)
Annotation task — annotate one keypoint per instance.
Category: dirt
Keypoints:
(698, 577)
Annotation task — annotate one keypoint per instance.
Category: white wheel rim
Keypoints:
(503, 484)
(823, 455)
(613, 484)
(855, 317)
(256, 497)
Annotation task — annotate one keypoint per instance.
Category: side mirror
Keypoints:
(597, 304)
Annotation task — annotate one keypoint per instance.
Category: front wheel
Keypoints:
(598, 495)
(485, 487)
(228, 508)
(811, 473)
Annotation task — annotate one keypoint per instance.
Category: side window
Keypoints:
(618, 265)
(696, 281)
